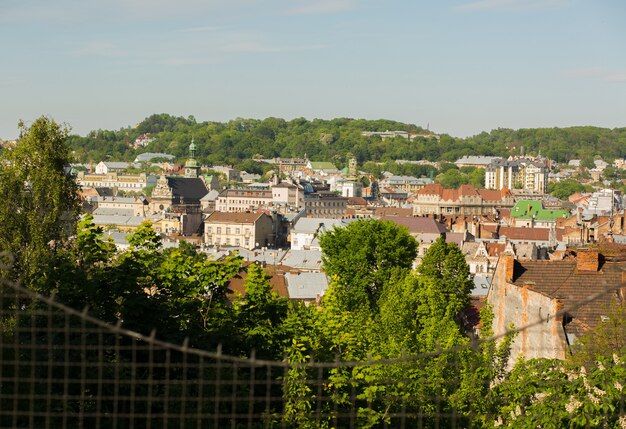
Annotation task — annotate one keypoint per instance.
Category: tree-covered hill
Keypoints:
(239, 139)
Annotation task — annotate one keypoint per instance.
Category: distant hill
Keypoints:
(332, 140)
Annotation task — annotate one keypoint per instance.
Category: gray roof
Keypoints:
(269, 256)
(120, 220)
(477, 160)
(311, 225)
(481, 285)
(119, 165)
(144, 157)
(303, 259)
(400, 180)
(306, 285)
(211, 196)
(189, 190)
(112, 211)
(121, 200)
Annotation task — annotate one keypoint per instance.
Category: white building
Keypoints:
(305, 232)
(525, 174)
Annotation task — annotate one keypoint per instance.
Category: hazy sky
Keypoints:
(462, 66)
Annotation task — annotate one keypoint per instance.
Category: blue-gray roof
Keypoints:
(306, 285)
(145, 157)
(481, 285)
(303, 259)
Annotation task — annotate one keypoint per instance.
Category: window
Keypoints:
(237, 242)
(228, 241)
(209, 230)
(219, 229)
(237, 231)
(227, 231)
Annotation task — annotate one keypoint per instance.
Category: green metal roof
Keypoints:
(322, 166)
(526, 209)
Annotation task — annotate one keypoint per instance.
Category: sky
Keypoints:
(458, 66)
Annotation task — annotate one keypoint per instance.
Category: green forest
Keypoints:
(238, 140)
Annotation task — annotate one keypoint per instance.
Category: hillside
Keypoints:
(240, 139)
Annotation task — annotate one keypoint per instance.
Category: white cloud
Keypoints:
(583, 73)
(616, 77)
(321, 6)
(101, 48)
(510, 4)
(12, 82)
(598, 73)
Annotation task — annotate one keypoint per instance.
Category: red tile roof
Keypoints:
(585, 295)
(418, 225)
(525, 234)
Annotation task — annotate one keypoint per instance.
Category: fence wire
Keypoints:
(62, 368)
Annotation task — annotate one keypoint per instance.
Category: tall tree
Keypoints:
(39, 197)
(445, 263)
(260, 315)
(364, 255)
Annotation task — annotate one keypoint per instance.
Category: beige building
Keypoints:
(242, 200)
(525, 174)
(288, 195)
(464, 201)
(243, 229)
(121, 182)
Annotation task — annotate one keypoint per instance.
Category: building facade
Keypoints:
(128, 182)
(242, 200)
(242, 229)
(525, 174)
(464, 201)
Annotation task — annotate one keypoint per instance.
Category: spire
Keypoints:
(192, 149)
(192, 168)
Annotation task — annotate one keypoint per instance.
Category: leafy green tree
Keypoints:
(40, 202)
(563, 189)
(260, 314)
(364, 255)
(445, 263)
(551, 393)
(91, 247)
(608, 337)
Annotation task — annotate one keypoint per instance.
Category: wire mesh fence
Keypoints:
(61, 368)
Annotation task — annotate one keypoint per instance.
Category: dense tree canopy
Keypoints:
(364, 256)
(39, 200)
(332, 140)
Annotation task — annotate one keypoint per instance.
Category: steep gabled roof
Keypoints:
(525, 234)
(585, 295)
(189, 189)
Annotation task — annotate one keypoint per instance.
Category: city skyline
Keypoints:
(461, 66)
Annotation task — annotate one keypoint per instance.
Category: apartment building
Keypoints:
(525, 174)
(464, 201)
(243, 229)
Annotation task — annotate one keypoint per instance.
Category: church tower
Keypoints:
(192, 168)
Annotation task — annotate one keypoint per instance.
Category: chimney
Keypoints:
(509, 266)
(587, 260)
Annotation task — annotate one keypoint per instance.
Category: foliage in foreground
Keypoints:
(411, 354)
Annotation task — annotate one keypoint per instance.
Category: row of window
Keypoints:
(218, 230)
(227, 241)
